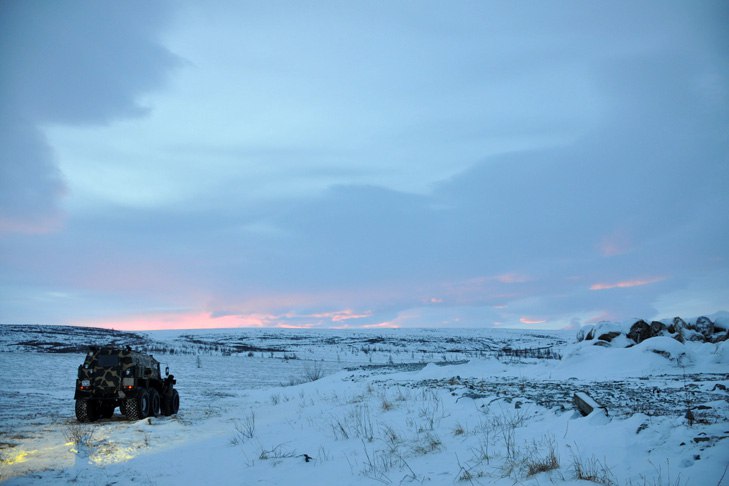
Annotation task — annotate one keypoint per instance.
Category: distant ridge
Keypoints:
(65, 339)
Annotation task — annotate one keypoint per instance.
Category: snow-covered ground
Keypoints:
(391, 407)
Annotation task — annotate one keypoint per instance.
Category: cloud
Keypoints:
(626, 284)
(30, 182)
(480, 173)
(67, 63)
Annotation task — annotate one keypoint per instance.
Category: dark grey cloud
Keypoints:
(67, 63)
(30, 182)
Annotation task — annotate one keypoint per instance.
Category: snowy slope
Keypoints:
(489, 418)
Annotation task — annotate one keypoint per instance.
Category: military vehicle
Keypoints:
(113, 377)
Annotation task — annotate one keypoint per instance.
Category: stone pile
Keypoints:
(611, 334)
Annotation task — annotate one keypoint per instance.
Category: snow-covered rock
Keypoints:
(704, 326)
(640, 331)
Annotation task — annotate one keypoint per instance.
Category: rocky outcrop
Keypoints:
(704, 326)
(702, 330)
(659, 329)
(640, 331)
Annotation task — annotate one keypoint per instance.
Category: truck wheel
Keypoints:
(143, 400)
(137, 408)
(86, 411)
(154, 403)
(171, 403)
(175, 402)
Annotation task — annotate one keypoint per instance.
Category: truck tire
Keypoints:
(171, 403)
(175, 405)
(137, 408)
(86, 411)
(154, 403)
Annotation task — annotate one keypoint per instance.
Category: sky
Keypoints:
(362, 164)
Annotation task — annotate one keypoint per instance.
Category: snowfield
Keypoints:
(275, 407)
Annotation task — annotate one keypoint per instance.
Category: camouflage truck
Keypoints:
(113, 377)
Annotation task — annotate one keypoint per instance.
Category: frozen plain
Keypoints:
(390, 407)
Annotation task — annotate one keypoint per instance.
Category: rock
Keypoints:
(693, 335)
(718, 338)
(640, 331)
(681, 329)
(603, 332)
(585, 404)
(608, 336)
(583, 334)
(704, 326)
(658, 328)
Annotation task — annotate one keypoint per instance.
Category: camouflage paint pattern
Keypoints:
(106, 380)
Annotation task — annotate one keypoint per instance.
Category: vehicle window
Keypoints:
(107, 361)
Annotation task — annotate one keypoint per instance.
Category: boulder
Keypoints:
(590, 335)
(720, 337)
(704, 326)
(693, 335)
(679, 327)
(640, 331)
(608, 336)
(583, 334)
(658, 328)
(585, 404)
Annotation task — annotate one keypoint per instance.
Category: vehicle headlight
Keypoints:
(85, 383)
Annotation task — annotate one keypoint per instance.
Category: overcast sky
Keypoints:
(362, 164)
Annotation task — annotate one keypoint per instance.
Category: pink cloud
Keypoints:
(294, 326)
(338, 316)
(626, 283)
(382, 325)
(616, 243)
(529, 320)
(513, 278)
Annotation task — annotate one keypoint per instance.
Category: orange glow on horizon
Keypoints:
(626, 283)
(189, 320)
(208, 320)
